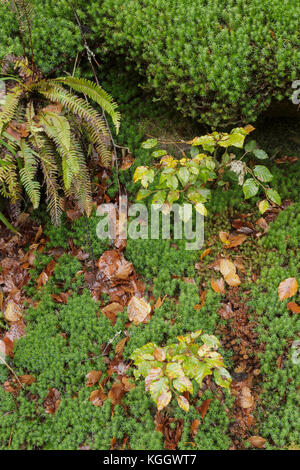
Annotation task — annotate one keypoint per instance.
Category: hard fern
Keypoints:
(45, 126)
(96, 93)
(27, 173)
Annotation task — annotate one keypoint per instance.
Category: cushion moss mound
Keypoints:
(220, 61)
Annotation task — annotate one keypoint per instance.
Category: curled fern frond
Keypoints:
(96, 93)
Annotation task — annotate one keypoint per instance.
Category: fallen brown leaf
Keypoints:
(120, 346)
(257, 441)
(159, 302)
(97, 397)
(27, 379)
(287, 288)
(112, 264)
(52, 401)
(116, 393)
(293, 307)
(42, 279)
(194, 427)
(204, 408)
(138, 309)
(228, 270)
(159, 354)
(218, 285)
(263, 224)
(246, 399)
(202, 300)
(12, 312)
(205, 253)
(93, 377)
(127, 162)
(111, 310)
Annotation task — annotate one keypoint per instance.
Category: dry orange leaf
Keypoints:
(293, 307)
(227, 267)
(224, 237)
(127, 162)
(247, 400)
(52, 401)
(97, 397)
(120, 346)
(138, 309)
(232, 280)
(1, 298)
(257, 441)
(236, 240)
(287, 288)
(111, 310)
(228, 270)
(27, 379)
(249, 128)
(202, 300)
(218, 285)
(12, 312)
(194, 427)
(116, 393)
(263, 224)
(128, 385)
(230, 241)
(159, 302)
(205, 253)
(93, 377)
(42, 279)
(204, 407)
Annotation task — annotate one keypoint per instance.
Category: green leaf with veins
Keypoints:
(273, 196)
(260, 154)
(158, 387)
(250, 188)
(222, 377)
(262, 173)
(142, 194)
(174, 370)
(251, 145)
(182, 384)
(183, 175)
(149, 143)
(210, 340)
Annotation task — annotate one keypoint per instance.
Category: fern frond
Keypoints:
(24, 69)
(81, 186)
(50, 172)
(58, 127)
(9, 178)
(96, 93)
(100, 144)
(76, 105)
(27, 173)
(12, 100)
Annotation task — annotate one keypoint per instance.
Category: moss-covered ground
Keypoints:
(67, 338)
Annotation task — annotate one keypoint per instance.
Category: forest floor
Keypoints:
(67, 338)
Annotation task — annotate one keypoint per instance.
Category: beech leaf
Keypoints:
(287, 288)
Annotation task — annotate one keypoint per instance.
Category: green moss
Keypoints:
(277, 329)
